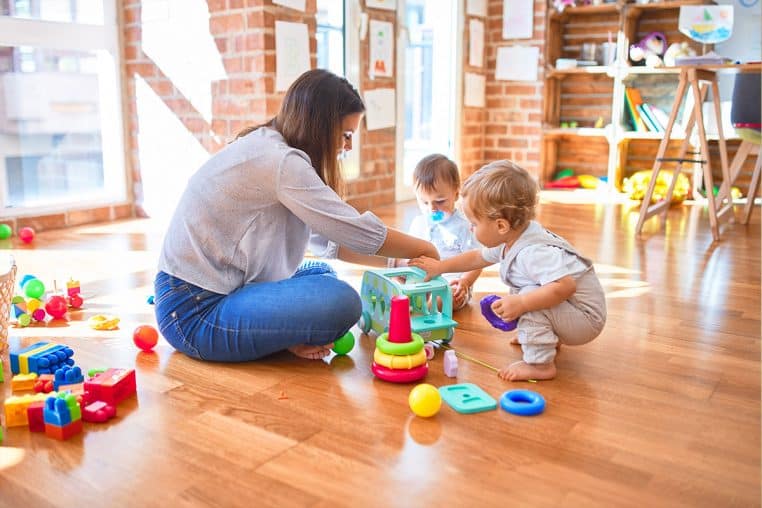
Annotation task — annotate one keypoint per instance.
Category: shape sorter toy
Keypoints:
(41, 358)
(111, 386)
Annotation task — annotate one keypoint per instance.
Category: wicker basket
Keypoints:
(7, 280)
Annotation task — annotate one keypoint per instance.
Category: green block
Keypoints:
(1, 371)
(467, 398)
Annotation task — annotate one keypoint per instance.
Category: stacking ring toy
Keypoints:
(492, 318)
(522, 402)
(399, 361)
(399, 348)
(400, 376)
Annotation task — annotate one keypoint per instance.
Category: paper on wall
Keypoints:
(388, 5)
(474, 88)
(299, 5)
(518, 19)
(475, 43)
(517, 63)
(292, 53)
(476, 8)
(380, 108)
(381, 62)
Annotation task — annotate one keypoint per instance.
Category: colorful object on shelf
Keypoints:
(103, 322)
(41, 357)
(563, 173)
(426, 319)
(649, 50)
(424, 400)
(567, 182)
(390, 363)
(637, 185)
(588, 181)
(522, 402)
(450, 363)
(344, 344)
(56, 306)
(145, 337)
(5, 231)
(112, 386)
(492, 318)
(467, 398)
(26, 234)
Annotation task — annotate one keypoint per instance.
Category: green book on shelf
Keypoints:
(650, 122)
(631, 102)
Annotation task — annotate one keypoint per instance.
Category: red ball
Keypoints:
(26, 234)
(56, 306)
(75, 301)
(145, 337)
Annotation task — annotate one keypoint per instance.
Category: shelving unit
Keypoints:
(585, 94)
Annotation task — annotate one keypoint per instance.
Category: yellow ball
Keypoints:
(424, 400)
(33, 304)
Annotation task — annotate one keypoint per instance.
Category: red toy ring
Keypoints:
(400, 375)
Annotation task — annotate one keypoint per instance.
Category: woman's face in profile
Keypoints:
(349, 125)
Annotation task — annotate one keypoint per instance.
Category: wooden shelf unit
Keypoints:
(585, 94)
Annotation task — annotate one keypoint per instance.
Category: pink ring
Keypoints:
(400, 375)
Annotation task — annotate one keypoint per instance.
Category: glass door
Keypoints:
(429, 78)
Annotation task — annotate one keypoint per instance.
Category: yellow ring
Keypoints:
(103, 322)
(399, 362)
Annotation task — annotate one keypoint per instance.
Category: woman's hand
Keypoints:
(429, 265)
(509, 307)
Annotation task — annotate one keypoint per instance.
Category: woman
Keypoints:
(231, 284)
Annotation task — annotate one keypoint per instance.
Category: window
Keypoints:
(60, 120)
(338, 50)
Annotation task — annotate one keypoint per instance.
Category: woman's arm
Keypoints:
(350, 256)
(401, 245)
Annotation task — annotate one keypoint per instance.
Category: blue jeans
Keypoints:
(312, 307)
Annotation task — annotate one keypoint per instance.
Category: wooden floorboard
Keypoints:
(663, 409)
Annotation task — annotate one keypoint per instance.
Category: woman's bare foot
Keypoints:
(522, 371)
(311, 352)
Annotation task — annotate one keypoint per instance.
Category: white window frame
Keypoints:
(352, 21)
(79, 37)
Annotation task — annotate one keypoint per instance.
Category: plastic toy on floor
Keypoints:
(399, 356)
(424, 400)
(379, 287)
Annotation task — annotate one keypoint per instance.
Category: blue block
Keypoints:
(56, 412)
(67, 375)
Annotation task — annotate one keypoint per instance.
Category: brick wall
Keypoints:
(376, 182)
(513, 118)
(473, 119)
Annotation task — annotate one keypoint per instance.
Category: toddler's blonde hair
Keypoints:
(502, 190)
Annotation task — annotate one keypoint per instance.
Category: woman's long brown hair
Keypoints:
(310, 119)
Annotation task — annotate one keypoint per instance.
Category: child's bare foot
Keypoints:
(522, 371)
(311, 352)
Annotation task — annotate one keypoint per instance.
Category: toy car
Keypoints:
(378, 288)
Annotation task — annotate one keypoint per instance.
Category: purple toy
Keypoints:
(450, 363)
(489, 314)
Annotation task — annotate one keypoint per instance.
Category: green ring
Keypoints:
(397, 348)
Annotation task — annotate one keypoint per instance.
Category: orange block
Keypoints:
(65, 432)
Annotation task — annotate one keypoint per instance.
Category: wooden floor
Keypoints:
(663, 409)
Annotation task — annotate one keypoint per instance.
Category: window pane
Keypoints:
(65, 11)
(51, 113)
(330, 35)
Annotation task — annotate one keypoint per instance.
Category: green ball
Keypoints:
(5, 231)
(345, 344)
(34, 288)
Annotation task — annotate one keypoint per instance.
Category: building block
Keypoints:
(67, 375)
(23, 382)
(42, 358)
(16, 406)
(61, 409)
(467, 398)
(35, 416)
(98, 412)
(1, 371)
(450, 363)
(44, 383)
(112, 386)
(63, 432)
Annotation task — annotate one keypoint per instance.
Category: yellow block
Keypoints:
(16, 406)
(399, 361)
(23, 382)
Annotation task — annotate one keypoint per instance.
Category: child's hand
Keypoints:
(459, 292)
(509, 307)
(428, 265)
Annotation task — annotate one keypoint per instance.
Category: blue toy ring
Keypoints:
(489, 314)
(522, 402)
